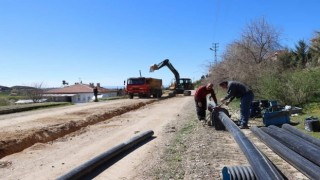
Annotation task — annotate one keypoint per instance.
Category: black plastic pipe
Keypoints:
(295, 135)
(295, 131)
(92, 164)
(260, 164)
(297, 144)
(305, 166)
(238, 173)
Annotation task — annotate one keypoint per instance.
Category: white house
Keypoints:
(78, 93)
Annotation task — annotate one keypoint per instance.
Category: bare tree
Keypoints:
(259, 40)
(315, 48)
(245, 59)
(35, 93)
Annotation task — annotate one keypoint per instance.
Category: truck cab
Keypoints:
(144, 87)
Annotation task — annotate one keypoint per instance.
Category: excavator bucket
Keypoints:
(153, 68)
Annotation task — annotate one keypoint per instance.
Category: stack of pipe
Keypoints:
(300, 150)
(261, 165)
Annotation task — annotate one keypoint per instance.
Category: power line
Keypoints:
(215, 49)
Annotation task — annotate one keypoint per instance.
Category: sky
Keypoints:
(107, 41)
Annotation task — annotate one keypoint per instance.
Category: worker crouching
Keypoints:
(200, 98)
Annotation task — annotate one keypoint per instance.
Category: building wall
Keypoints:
(59, 98)
(82, 98)
(105, 95)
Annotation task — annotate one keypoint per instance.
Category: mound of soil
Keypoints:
(47, 129)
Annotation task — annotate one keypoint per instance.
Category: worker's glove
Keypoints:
(199, 104)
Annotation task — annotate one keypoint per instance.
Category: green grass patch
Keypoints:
(6, 99)
(311, 109)
(174, 154)
(4, 94)
(28, 107)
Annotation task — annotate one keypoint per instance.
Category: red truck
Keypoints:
(144, 87)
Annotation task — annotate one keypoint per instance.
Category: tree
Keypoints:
(301, 54)
(315, 48)
(260, 40)
(247, 59)
(285, 59)
(35, 93)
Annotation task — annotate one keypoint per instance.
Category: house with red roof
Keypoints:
(78, 93)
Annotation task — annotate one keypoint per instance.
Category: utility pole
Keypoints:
(215, 49)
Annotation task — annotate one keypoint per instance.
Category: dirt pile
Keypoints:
(52, 128)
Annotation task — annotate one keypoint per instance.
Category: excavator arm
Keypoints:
(169, 65)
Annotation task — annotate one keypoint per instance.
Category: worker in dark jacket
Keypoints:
(200, 98)
(239, 90)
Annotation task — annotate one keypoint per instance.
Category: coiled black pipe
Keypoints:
(305, 166)
(92, 164)
(261, 166)
(295, 131)
(297, 144)
(238, 173)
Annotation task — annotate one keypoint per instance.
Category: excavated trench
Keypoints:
(13, 142)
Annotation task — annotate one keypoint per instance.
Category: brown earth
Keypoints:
(46, 144)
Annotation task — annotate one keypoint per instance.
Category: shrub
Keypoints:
(293, 88)
(4, 101)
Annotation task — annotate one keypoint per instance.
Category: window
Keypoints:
(136, 81)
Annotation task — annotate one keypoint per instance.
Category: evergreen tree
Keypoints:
(301, 54)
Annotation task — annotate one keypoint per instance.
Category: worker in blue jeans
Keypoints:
(239, 90)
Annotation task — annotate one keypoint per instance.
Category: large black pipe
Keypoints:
(295, 131)
(308, 168)
(103, 158)
(289, 133)
(261, 166)
(297, 144)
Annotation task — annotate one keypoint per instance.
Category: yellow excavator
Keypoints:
(181, 85)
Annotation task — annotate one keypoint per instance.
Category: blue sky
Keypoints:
(107, 41)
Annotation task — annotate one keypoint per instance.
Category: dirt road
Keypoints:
(182, 148)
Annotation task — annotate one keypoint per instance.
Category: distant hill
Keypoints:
(4, 88)
(22, 87)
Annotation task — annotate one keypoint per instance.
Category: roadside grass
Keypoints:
(8, 96)
(312, 109)
(29, 107)
(6, 99)
(3, 94)
(174, 153)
